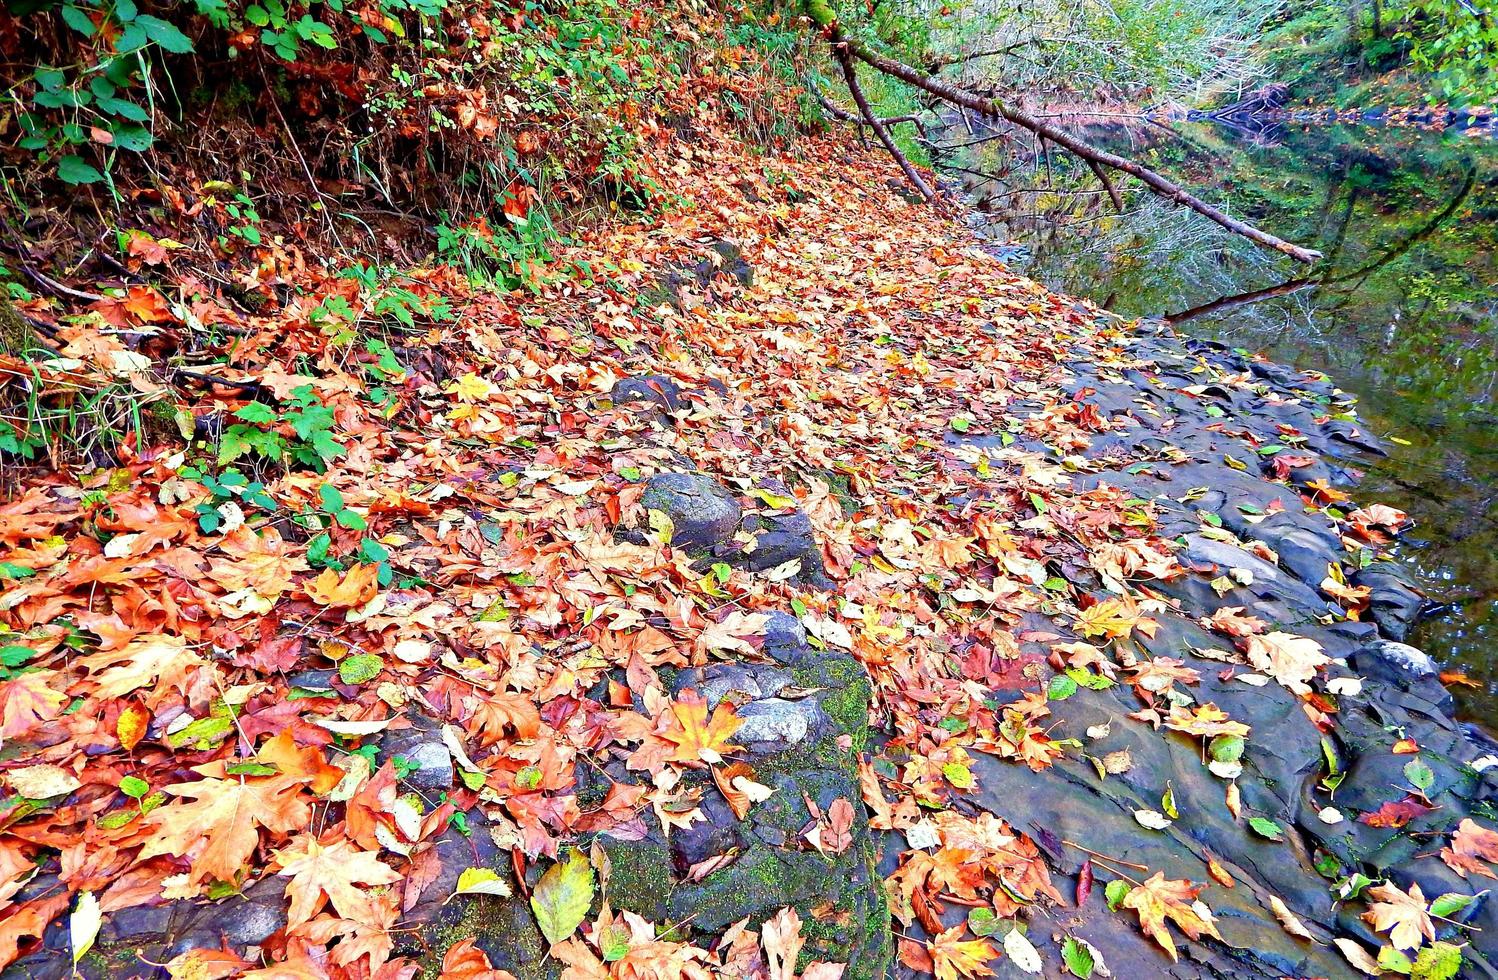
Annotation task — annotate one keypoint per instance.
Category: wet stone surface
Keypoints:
(1186, 442)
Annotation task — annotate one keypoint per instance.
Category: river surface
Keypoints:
(1403, 311)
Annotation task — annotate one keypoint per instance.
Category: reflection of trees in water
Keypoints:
(1403, 310)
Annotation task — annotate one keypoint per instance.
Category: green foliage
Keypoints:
(229, 486)
(104, 96)
(1457, 45)
(258, 433)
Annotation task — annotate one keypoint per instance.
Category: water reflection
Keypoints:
(1403, 311)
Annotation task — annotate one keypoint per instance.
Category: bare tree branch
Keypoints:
(846, 47)
(850, 74)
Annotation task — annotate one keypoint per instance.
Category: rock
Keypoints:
(1396, 661)
(1394, 603)
(703, 513)
(775, 724)
(421, 747)
(718, 681)
(781, 538)
(785, 639)
(656, 388)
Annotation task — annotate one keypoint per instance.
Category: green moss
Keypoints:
(502, 927)
(640, 877)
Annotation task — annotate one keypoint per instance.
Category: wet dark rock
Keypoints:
(427, 757)
(703, 512)
(785, 639)
(781, 538)
(655, 388)
(1394, 603)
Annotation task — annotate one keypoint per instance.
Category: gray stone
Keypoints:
(703, 513)
(775, 724)
(656, 388)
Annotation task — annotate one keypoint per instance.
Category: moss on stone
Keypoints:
(640, 877)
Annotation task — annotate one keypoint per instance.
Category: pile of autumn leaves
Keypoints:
(164, 743)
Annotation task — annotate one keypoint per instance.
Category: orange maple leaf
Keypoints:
(304, 763)
(1206, 720)
(1159, 899)
(956, 958)
(1470, 847)
(698, 738)
(28, 700)
(217, 830)
(334, 873)
(354, 589)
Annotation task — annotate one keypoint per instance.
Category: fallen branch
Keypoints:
(845, 47)
(850, 74)
(843, 115)
(1102, 176)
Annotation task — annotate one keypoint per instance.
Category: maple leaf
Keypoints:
(1206, 720)
(698, 738)
(27, 701)
(1109, 618)
(491, 716)
(1234, 621)
(729, 635)
(1161, 673)
(1403, 915)
(781, 937)
(334, 873)
(305, 763)
(217, 830)
(954, 958)
(159, 661)
(1470, 847)
(1159, 899)
(1291, 660)
(354, 589)
(465, 961)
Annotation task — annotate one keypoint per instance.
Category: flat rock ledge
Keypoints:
(1182, 416)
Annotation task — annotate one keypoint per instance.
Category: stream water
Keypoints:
(1403, 311)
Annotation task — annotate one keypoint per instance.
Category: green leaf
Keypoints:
(251, 769)
(1419, 774)
(1450, 904)
(78, 20)
(332, 499)
(73, 170)
(351, 520)
(1078, 958)
(136, 139)
(134, 787)
(1438, 961)
(1060, 688)
(613, 943)
(983, 921)
(1265, 827)
(1115, 892)
(164, 34)
(960, 424)
(360, 668)
(255, 412)
(125, 11)
(14, 655)
(562, 897)
(1394, 961)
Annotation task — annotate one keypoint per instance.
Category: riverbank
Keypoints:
(793, 552)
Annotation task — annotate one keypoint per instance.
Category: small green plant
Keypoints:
(333, 512)
(230, 485)
(258, 433)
